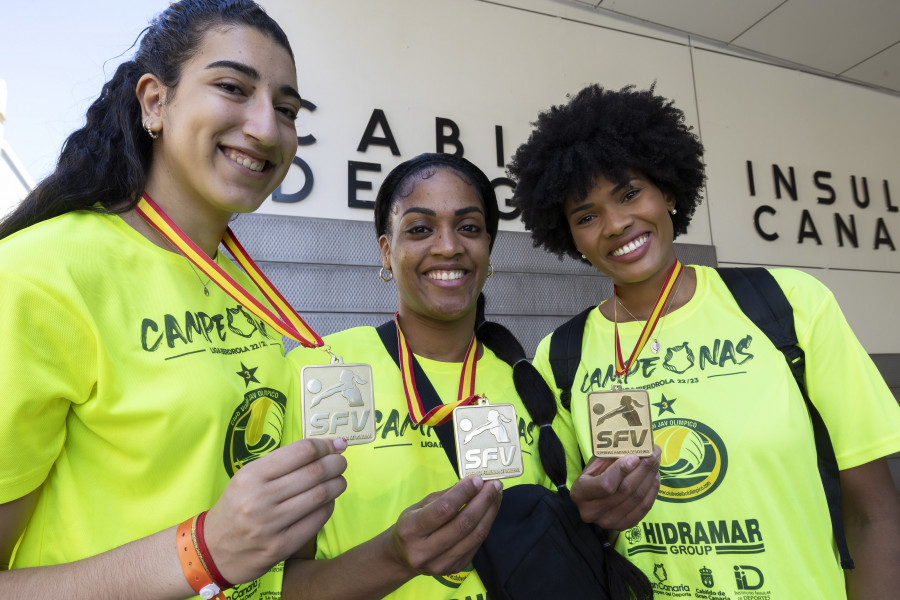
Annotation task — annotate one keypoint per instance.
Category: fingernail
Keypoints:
(631, 462)
(497, 486)
(340, 444)
(478, 481)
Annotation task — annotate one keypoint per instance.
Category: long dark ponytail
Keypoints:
(107, 160)
(625, 580)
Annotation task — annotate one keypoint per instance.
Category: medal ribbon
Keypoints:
(622, 366)
(439, 414)
(290, 324)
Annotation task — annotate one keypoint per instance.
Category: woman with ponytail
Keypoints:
(408, 526)
(142, 403)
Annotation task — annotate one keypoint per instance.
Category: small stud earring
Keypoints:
(385, 274)
(584, 257)
(674, 211)
(153, 135)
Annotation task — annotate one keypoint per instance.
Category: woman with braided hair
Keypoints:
(408, 527)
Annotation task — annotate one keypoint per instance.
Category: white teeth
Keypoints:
(247, 162)
(446, 275)
(631, 246)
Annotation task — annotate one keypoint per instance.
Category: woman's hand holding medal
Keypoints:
(617, 493)
(440, 534)
(273, 506)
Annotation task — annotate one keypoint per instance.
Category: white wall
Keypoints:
(15, 183)
(483, 64)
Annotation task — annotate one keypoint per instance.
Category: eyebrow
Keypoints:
(429, 212)
(252, 74)
(586, 205)
(416, 209)
(580, 207)
(463, 211)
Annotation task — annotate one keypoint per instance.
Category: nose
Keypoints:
(446, 242)
(616, 220)
(261, 122)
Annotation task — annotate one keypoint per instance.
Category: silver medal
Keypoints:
(487, 440)
(338, 400)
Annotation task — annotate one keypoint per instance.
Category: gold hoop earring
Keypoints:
(153, 135)
(388, 277)
(490, 269)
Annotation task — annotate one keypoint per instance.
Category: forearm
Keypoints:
(146, 568)
(375, 573)
(875, 548)
(871, 510)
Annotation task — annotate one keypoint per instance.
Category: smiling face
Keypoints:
(625, 231)
(438, 248)
(227, 129)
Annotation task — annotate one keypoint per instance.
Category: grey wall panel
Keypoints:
(275, 238)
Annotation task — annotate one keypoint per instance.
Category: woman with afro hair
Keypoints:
(611, 178)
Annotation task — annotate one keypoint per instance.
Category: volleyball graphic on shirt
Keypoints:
(693, 462)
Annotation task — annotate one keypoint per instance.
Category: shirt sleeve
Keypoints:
(858, 408)
(47, 362)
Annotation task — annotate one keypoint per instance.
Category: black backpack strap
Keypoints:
(764, 302)
(565, 354)
(388, 334)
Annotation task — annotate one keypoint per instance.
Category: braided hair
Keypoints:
(626, 581)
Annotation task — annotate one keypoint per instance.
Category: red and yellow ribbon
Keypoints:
(622, 366)
(289, 324)
(443, 412)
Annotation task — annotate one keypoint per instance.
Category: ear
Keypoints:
(150, 94)
(670, 201)
(385, 246)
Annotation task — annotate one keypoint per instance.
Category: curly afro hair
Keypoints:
(608, 133)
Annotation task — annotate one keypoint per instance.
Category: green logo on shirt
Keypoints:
(693, 461)
(255, 428)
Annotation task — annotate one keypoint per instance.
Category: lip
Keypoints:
(636, 252)
(248, 161)
(446, 275)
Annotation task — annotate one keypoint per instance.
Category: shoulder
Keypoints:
(357, 344)
(355, 339)
(795, 282)
(72, 240)
(799, 287)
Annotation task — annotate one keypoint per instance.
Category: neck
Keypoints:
(640, 297)
(201, 222)
(444, 341)
(681, 294)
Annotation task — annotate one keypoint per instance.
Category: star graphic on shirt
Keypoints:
(665, 405)
(248, 375)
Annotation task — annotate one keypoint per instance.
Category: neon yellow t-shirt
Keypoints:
(130, 397)
(405, 463)
(741, 512)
